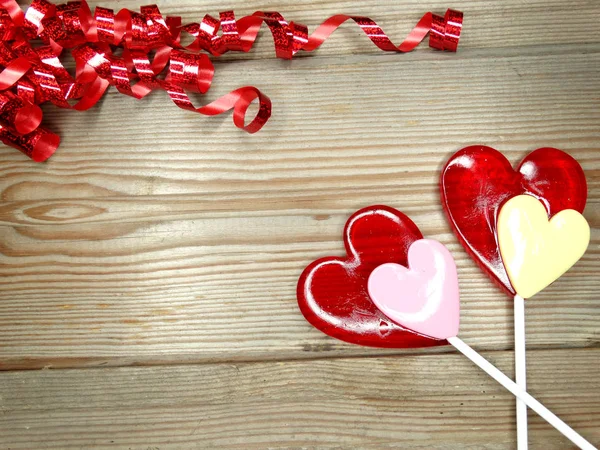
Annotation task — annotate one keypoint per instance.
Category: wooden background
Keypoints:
(149, 267)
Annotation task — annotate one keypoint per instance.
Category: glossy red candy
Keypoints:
(477, 181)
(332, 291)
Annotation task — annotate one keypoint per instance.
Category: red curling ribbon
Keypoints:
(25, 116)
(39, 145)
(151, 57)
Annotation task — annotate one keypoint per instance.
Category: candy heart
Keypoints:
(477, 181)
(424, 296)
(536, 251)
(332, 292)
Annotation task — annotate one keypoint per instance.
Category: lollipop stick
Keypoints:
(509, 384)
(520, 370)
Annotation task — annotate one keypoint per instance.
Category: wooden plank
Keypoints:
(223, 288)
(437, 402)
(333, 121)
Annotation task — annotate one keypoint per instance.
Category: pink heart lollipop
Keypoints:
(423, 297)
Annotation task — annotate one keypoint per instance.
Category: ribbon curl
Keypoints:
(150, 57)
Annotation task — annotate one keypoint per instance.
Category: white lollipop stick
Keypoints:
(517, 391)
(535, 251)
(520, 370)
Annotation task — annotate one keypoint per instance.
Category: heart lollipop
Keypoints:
(536, 250)
(478, 180)
(332, 291)
(393, 275)
(501, 217)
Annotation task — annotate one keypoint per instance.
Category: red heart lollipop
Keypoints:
(333, 292)
(477, 181)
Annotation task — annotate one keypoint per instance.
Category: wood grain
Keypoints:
(153, 259)
(402, 402)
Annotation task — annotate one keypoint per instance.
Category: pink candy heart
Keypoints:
(423, 297)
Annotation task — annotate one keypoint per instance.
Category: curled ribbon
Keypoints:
(150, 57)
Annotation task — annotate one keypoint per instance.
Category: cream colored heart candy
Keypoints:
(537, 251)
